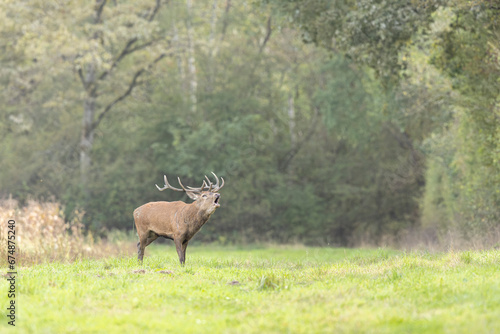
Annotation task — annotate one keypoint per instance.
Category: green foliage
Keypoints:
(345, 103)
(438, 64)
(391, 126)
(467, 53)
(369, 32)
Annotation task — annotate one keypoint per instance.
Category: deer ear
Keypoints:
(192, 195)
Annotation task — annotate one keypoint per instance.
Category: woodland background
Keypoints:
(334, 122)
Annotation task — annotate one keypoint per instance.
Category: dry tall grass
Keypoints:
(43, 234)
(416, 238)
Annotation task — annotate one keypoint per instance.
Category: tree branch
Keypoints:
(99, 8)
(287, 159)
(80, 74)
(131, 86)
(402, 138)
(142, 46)
(261, 48)
(154, 10)
(127, 49)
(225, 20)
(122, 54)
(268, 35)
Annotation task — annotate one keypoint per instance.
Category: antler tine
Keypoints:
(222, 185)
(170, 186)
(217, 187)
(179, 179)
(209, 183)
(203, 185)
(161, 189)
(167, 185)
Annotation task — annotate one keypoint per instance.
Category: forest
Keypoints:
(332, 122)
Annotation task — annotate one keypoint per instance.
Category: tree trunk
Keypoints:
(212, 44)
(178, 57)
(213, 22)
(291, 120)
(87, 139)
(193, 82)
(90, 80)
(89, 106)
(291, 128)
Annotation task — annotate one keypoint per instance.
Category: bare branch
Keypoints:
(154, 11)
(126, 51)
(287, 159)
(122, 54)
(142, 46)
(261, 48)
(99, 8)
(225, 20)
(268, 35)
(128, 47)
(131, 86)
(80, 74)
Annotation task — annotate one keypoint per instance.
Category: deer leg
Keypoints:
(141, 245)
(152, 237)
(145, 241)
(180, 252)
(184, 246)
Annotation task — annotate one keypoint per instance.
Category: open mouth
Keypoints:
(216, 202)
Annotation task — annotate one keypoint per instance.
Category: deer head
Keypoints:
(206, 197)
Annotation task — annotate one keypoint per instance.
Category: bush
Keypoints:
(43, 234)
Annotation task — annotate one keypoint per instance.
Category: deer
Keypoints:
(177, 221)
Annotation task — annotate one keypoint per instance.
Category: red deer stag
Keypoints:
(177, 221)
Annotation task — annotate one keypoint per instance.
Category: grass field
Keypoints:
(262, 290)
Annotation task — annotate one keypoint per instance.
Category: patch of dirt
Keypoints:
(166, 272)
(140, 271)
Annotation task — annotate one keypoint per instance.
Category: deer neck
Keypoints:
(197, 216)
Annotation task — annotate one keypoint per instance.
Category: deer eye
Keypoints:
(204, 196)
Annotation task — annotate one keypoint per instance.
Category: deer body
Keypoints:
(178, 221)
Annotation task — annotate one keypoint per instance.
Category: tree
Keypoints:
(383, 128)
(467, 52)
(108, 47)
(369, 32)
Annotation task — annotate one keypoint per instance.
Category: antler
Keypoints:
(214, 188)
(191, 189)
(210, 186)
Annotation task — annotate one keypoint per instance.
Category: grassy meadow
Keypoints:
(268, 289)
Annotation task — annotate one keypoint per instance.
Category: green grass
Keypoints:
(278, 290)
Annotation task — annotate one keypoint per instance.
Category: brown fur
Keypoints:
(178, 221)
